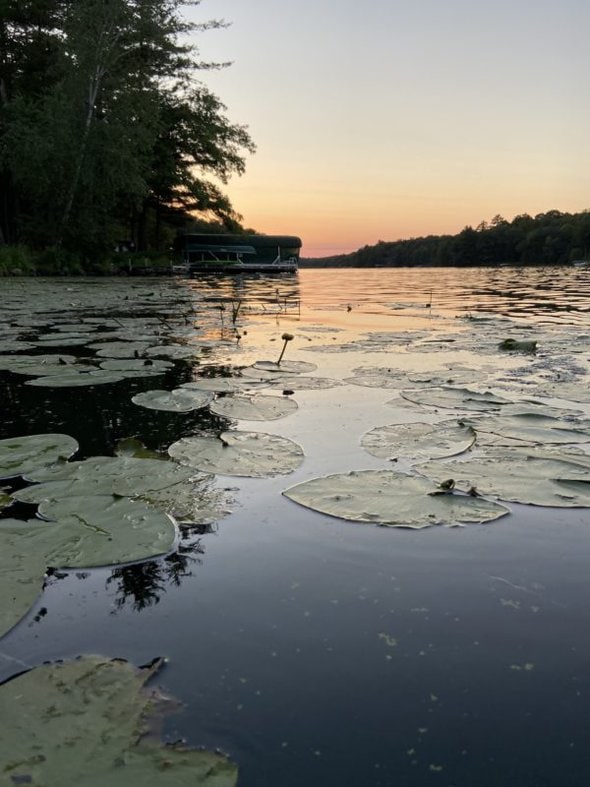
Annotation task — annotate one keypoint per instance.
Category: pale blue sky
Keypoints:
(385, 120)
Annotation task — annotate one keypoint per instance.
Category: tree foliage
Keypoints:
(551, 238)
(106, 130)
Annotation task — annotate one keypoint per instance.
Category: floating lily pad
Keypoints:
(458, 398)
(21, 455)
(182, 492)
(372, 377)
(516, 475)
(252, 454)
(136, 365)
(295, 367)
(74, 379)
(179, 400)
(85, 722)
(120, 349)
(386, 497)
(22, 570)
(299, 383)
(254, 408)
(533, 427)
(216, 384)
(418, 440)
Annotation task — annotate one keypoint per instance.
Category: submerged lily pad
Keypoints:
(179, 400)
(21, 455)
(252, 454)
(254, 408)
(458, 398)
(85, 722)
(418, 440)
(519, 476)
(386, 497)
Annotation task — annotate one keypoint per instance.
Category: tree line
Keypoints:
(108, 135)
(552, 238)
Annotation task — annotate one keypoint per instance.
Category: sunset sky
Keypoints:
(383, 119)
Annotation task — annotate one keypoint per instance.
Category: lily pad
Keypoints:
(74, 379)
(136, 365)
(254, 408)
(418, 440)
(85, 722)
(457, 398)
(533, 427)
(519, 476)
(22, 570)
(21, 455)
(295, 367)
(179, 400)
(216, 384)
(251, 454)
(386, 497)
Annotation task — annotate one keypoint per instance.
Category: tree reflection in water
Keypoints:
(142, 584)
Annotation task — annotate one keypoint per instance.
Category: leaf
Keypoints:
(252, 454)
(516, 475)
(459, 398)
(418, 440)
(386, 497)
(257, 407)
(84, 723)
(21, 455)
(179, 400)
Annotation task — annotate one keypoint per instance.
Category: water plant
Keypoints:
(286, 337)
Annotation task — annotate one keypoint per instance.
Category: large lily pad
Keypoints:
(252, 454)
(418, 441)
(75, 379)
(386, 497)
(533, 427)
(21, 455)
(294, 367)
(22, 570)
(85, 723)
(179, 400)
(519, 476)
(254, 408)
(458, 398)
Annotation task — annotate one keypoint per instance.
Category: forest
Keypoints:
(552, 238)
(109, 137)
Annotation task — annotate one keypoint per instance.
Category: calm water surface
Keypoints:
(316, 651)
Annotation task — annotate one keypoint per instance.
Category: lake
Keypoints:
(314, 650)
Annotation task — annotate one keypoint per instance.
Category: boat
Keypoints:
(235, 254)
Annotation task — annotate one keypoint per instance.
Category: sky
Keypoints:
(389, 119)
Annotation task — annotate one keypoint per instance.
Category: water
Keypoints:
(316, 651)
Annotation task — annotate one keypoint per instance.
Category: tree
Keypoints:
(119, 130)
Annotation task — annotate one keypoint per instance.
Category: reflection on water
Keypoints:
(316, 651)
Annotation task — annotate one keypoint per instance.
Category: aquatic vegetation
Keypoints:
(54, 716)
(418, 441)
(517, 475)
(386, 497)
(22, 455)
(257, 407)
(179, 400)
(253, 454)
(286, 337)
(455, 398)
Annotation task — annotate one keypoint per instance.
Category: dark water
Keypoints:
(315, 651)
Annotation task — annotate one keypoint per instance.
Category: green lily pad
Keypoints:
(386, 497)
(22, 569)
(254, 408)
(533, 427)
(457, 398)
(418, 441)
(182, 492)
(251, 454)
(21, 455)
(517, 475)
(179, 400)
(86, 722)
(74, 379)
(295, 367)
(136, 365)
